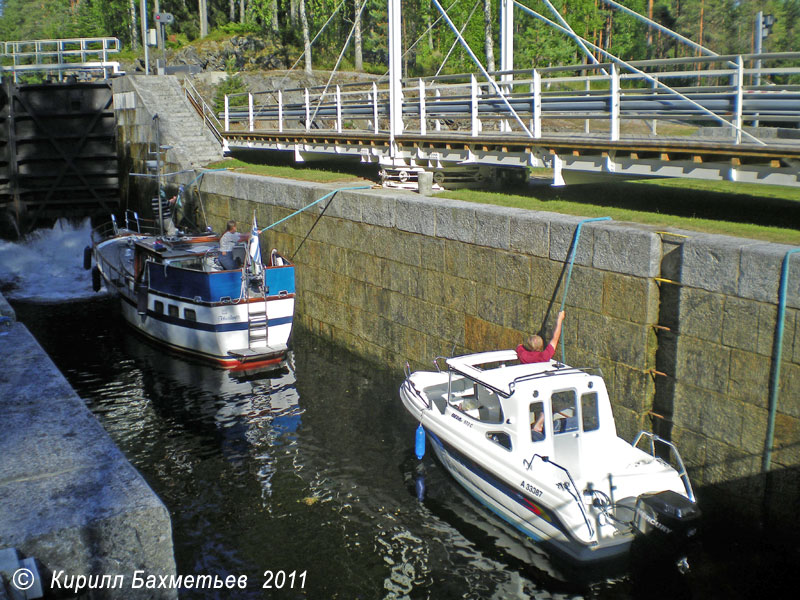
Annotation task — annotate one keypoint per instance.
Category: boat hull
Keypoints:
(531, 517)
(177, 308)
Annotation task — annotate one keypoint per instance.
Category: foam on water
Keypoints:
(47, 265)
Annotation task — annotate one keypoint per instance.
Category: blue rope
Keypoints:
(297, 212)
(571, 259)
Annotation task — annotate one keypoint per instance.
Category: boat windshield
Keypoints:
(474, 400)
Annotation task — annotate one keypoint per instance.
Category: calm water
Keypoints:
(311, 470)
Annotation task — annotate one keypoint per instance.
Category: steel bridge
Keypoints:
(734, 118)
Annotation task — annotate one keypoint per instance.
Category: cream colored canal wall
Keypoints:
(398, 277)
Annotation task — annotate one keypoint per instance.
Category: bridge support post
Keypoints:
(438, 121)
(536, 99)
(227, 114)
(395, 72)
(507, 37)
(614, 103)
(280, 111)
(338, 109)
(308, 110)
(738, 121)
(250, 110)
(375, 108)
(476, 124)
(423, 129)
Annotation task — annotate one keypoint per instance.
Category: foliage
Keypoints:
(232, 84)
(727, 27)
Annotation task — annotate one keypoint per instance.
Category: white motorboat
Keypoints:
(537, 444)
(174, 291)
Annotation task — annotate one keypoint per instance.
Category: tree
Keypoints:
(488, 37)
(306, 38)
(358, 59)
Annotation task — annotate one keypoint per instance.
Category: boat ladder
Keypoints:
(257, 322)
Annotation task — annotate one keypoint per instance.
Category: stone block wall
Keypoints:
(724, 320)
(398, 277)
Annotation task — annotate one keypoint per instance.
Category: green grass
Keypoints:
(769, 213)
(325, 174)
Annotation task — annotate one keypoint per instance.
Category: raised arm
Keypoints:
(557, 332)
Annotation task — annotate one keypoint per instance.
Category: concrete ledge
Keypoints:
(6, 310)
(68, 496)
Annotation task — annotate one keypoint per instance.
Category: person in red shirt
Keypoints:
(530, 351)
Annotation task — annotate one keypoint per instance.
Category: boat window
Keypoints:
(173, 310)
(158, 307)
(461, 390)
(589, 412)
(189, 314)
(538, 430)
(500, 438)
(565, 411)
(476, 401)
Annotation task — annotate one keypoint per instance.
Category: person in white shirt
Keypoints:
(226, 243)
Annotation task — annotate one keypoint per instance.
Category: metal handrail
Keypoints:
(546, 459)
(60, 55)
(61, 47)
(413, 389)
(681, 467)
(203, 109)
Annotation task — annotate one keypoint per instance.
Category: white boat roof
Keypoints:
(500, 374)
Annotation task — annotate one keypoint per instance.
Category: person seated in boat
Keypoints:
(226, 244)
(167, 205)
(532, 351)
(537, 424)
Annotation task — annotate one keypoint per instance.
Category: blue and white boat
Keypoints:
(537, 445)
(174, 291)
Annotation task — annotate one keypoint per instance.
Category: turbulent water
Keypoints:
(309, 471)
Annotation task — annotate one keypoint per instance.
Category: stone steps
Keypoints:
(182, 128)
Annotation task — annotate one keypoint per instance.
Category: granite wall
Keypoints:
(681, 326)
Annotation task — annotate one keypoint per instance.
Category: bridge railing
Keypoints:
(72, 54)
(359, 107)
(597, 100)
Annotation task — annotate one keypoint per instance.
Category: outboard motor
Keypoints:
(87, 258)
(668, 521)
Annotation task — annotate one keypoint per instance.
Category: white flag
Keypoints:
(254, 248)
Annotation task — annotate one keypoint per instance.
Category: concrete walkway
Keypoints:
(68, 496)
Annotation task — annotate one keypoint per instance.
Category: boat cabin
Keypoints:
(547, 409)
(188, 269)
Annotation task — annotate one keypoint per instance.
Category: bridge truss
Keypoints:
(658, 118)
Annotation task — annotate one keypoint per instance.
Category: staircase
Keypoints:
(193, 145)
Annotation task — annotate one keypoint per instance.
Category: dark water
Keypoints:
(311, 470)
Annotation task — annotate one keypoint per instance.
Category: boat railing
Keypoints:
(436, 362)
(132, 219)
(673, 455)
(561, 369)
(574, 494)
(133, 224)
(412, 389)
